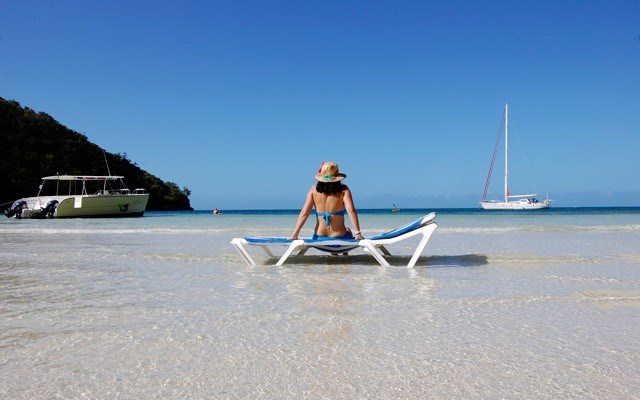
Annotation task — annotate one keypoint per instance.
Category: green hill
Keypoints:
(33, 145)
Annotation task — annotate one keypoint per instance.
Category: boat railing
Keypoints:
(113, 192)
(120, 192)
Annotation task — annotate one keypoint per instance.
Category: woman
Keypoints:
(331, 199)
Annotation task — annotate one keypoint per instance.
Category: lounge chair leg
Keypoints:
(385, 251)
(267, 250)
(374, 252)
(423, 242)
(293, 247)
(237, 243)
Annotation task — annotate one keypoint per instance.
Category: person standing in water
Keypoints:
(331, 200)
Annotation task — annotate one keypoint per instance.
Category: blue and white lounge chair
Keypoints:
(375, 245)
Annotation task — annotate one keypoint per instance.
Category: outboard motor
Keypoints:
(49, 209)
(16, 209)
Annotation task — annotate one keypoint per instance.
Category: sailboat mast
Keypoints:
(506, 153)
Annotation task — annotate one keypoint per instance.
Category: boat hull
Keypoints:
(89, 206)
(514, 205)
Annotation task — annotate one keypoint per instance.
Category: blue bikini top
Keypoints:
(327, 215)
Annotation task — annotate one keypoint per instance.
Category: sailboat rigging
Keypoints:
(510, 202)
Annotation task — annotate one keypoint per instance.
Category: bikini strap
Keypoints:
(327, 216)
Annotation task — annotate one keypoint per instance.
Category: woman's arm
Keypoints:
(353, 214)
(304, 214)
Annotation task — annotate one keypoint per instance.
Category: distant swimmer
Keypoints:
(216, 211)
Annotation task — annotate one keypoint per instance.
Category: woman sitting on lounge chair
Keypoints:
(331, 199)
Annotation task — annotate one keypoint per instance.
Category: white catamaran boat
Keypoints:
(510, 202)
(81, 196)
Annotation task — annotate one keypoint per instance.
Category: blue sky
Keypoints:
(240, 101)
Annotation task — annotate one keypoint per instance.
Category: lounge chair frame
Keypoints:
(424, 226)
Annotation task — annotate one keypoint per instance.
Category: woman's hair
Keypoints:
(330, 187)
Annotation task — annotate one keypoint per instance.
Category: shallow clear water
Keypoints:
(539, 305)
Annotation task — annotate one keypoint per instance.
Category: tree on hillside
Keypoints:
(36, 145)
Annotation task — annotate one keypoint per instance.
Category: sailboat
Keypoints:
(510, 202)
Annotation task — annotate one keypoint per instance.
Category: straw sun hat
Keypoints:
(329, 172)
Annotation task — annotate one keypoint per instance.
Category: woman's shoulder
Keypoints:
(312, 191)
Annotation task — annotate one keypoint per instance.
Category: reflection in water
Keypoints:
(463, 260)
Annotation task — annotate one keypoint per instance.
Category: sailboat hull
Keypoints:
(514, 205)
